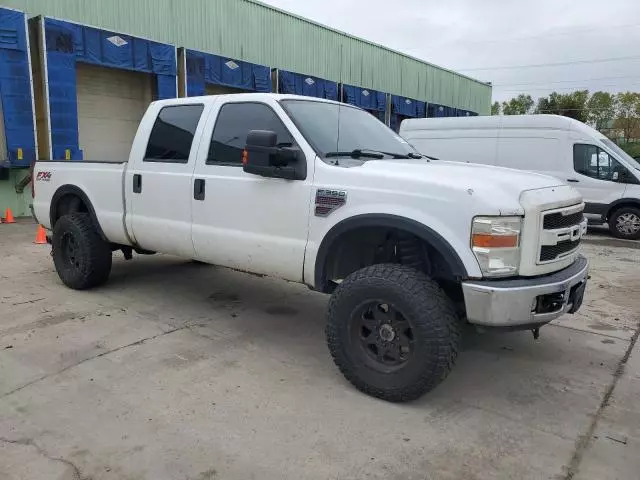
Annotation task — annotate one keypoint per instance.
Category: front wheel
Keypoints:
(392, 332)
(81, 257)
(625, 223)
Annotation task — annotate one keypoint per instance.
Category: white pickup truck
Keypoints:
(322, 193)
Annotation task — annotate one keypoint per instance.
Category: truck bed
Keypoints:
(100, 182)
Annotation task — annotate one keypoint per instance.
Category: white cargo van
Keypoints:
(607, 178)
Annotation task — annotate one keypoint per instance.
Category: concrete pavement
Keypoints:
(176, 370)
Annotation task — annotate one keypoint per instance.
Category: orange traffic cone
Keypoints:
(41, 236)
(8, 216)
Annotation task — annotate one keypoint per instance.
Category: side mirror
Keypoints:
(263, 157)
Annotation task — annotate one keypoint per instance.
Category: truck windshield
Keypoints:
(339, 130)
(620, 152)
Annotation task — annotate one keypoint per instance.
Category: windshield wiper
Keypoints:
(370, 153)
(357, 153)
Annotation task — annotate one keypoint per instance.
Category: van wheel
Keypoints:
(392, 332)
(625, 223)
(81, 257)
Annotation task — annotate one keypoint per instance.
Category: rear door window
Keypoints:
(172, 134)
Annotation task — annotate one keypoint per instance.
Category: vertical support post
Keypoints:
(182, 72)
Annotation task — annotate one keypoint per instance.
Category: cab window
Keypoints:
(594, 162)
(234, 122)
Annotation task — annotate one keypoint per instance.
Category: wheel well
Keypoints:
(71, 199)
(66, 204)
(623, 204)
(371, 245)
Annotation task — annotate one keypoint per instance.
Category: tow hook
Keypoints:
(536, 333)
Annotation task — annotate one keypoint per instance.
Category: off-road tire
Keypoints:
(91, 264)
(613, 222)
(422, 302)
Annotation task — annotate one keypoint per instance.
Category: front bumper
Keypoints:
(526, 301)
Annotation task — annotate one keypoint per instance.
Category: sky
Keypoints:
(481, 37)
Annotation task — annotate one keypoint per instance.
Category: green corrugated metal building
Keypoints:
(251, 31)
(244, 30)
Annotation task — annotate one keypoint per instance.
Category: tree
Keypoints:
(520, 105)
(495, 108)
(601, 109)
(628, 113)
(571, 105)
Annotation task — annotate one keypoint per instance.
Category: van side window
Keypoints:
(594, 162)
(172, 134)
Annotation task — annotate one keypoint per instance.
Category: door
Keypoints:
(159, 183)
(111, 103)
(597, 176)
(246, 221)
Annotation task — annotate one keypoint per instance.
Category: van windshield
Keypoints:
(621, 153)
(337, 130)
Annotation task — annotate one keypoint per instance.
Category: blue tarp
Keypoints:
(407, 107)
(298, 84)
(68, 43)
(403, 107)
(364, 98)
(444, 111)
(203, 68)
(435, 110)
(15, 89)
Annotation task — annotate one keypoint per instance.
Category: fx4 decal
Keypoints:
(43, 177)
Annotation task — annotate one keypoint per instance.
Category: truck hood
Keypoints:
(466, 176)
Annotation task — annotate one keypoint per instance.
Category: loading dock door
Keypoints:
(111, 103)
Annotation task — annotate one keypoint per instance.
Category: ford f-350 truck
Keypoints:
(322, 193)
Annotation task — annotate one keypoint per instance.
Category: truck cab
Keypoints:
(323, 193)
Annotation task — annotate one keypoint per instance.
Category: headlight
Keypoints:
(496, 244)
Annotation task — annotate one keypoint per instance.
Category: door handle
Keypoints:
(137, 183)
(198, 189)
(573, 180)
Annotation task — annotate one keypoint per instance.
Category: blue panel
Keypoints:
(163, 59)
(298, 84)
(195, 73)
(261, 78)
(111, 49)
(141, 55)
(63, 108)
(166, 86)
(444, 111)
(12, 33)
(208, 68)
(406, 107)
(117, 50)
(394, 123)
(421, 109)
(15, 89)
(364, 98)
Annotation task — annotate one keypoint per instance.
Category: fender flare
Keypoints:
(420, 230)
(78, 192)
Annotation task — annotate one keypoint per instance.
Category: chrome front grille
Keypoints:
(562, 232)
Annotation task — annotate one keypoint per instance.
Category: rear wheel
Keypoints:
(392, 332)
(625, 223)
(81, 257)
